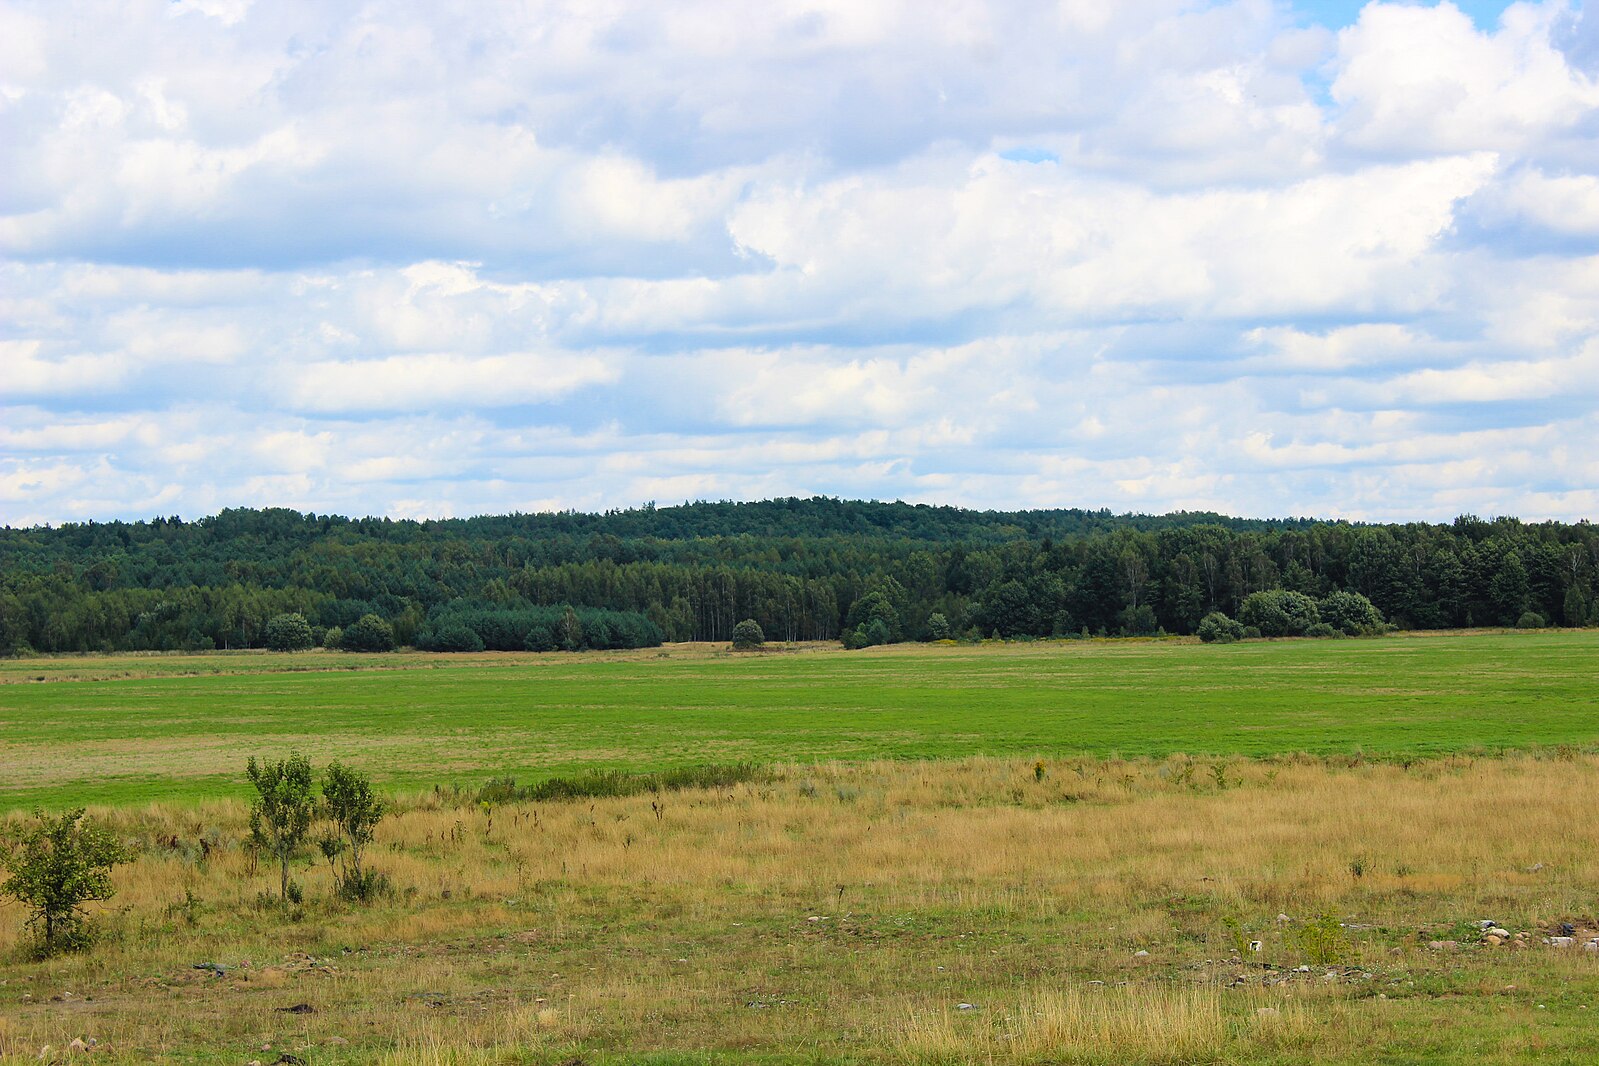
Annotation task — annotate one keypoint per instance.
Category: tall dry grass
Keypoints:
(684, 920)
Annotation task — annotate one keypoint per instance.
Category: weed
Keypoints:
(1322, 940)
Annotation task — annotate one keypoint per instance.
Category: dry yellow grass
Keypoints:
(846, 911)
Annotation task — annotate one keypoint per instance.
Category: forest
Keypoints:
(805, 569)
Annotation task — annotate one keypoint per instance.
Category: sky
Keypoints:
(429, 260)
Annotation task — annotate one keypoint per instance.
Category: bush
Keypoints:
(747, 635)
(937, 626)
(1322, 941)
(877, 631)
(1322, 629)
(1138, 621)
(1279, 612)
(281, 814)
(1217, 628)
(333, 639)
(451, 636)
(1531, 620)
(348, 803)
(289, 632)
(530, 628)
(369, 633)
(875, 606)
(611, 783)
(1350, 613)
(61, 864)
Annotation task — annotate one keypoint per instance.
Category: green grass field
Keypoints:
(930, 908)
(180, 728)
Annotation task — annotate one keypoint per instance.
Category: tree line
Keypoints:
(803, 569)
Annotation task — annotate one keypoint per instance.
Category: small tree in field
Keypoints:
(61, 864)
(289, 632)
(349, 804)
(747, 635)
(281, 816)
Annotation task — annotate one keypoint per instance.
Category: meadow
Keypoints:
(1091, 852)
(128, 729)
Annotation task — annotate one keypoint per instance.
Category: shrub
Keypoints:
(877, 631)
(1531, 620)
(348, 803)
(61, 864)
(747, 635)
(450, 636)
(281, 814)
(1322, 629)
(333, 639)
(288, 632)
(1279, 612)
(1138, 621)
(1217, 628)
(610, 783)
(1351, 613)
(875, 606)
(369, 633)
(1322, 941)
(937, 626)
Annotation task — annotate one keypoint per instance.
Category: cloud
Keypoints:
(423, 382)
(1149, 254)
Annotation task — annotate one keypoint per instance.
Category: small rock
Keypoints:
(1502, 934)
(1560, 941)
(1301, 969)
(1592, 945)
(1284, 918)
(1140, 954)
(1486, 923)
(77, 1045)
(298, 1008)
(965, 1006)
(1255, 945)
(1443, 945)
(1493, 941)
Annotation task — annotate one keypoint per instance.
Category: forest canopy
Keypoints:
(803, 569)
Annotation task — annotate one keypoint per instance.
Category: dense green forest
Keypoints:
(805, 569)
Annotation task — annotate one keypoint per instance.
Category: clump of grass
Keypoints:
(599, 784)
